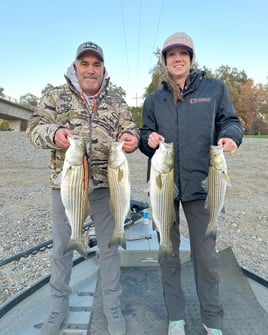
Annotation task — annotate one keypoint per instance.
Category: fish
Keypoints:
(162, 194)
(74, 192)
(215, 184)
(120, 191)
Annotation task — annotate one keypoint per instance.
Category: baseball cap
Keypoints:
(178, 40)
(90, 47)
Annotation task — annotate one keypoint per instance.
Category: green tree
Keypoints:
(137, 115)
(46, 89)
(29, 100)
(208, 72)
(232, 78)
(118, 89)
(4, 125)
(2, 92)
(156, 73)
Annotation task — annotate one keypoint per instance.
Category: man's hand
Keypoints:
(131, 142)
(61, 137)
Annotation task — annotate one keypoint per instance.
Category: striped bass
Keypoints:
(216, 184)
(74, 192)
(162, 193)
(120, 189)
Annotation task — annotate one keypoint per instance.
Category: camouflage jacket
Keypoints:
(63, 106)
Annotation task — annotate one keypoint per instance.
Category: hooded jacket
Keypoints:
(64, 106)
(205, 115)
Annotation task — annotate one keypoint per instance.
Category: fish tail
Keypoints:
(118, 239)
(165, 252)
(79, 246)
(211, 231)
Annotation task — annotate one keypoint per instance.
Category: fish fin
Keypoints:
(176, 192)
(58, 180)
(227, 179)
(158, 181)
(207, 203)
(67, 172)
(118, 239)
(211, 231)
(120, 175)
(79, 246)
(204, 184)
(165, 252)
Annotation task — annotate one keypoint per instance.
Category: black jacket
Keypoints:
(205, 115)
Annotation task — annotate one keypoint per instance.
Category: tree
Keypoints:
(117, 89)
(156, 72)
(1, 92)
(46, 89)
(137, 115)
(246, 104)
(266, 84)
(208, 72)
(29, 100)
(252, 107)
(232, 78)
(260, 121)
(4, 125)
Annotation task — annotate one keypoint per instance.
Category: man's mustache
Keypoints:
(90, 76)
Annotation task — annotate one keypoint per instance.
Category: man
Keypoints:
(194, 112)
(84, 106)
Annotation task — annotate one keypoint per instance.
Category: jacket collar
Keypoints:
(191, 81)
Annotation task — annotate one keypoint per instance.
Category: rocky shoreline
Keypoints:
(25, 208)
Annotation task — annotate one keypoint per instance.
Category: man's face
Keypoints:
(90, 72)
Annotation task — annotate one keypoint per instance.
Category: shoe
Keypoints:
(176, 327)
(212, 331)
(53, 324)
(115, 320)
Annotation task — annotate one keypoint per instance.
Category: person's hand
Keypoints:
(130, 142)
(61, 137)
(228, 145)
(154, 140)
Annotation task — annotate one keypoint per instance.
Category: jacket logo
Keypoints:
(197, 100)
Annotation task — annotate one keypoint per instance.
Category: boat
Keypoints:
(244, 294)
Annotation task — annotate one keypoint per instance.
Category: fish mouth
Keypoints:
(217, 149)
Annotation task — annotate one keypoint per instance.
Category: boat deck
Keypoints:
(244, 300)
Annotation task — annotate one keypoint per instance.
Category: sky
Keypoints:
(39, 39)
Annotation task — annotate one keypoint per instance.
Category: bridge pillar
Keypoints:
(16, 125)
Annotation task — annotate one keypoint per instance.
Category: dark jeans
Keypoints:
(205, 264)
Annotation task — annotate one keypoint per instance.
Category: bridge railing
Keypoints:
(15, 101)
(8, 98)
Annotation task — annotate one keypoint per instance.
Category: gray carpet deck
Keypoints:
(142, 302)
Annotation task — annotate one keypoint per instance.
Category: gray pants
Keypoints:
(61, 265)
(205, 268)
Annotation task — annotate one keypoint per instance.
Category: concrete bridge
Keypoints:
(17, 115)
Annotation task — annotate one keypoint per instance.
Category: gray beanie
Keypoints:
(89, 47)
(177, 40)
